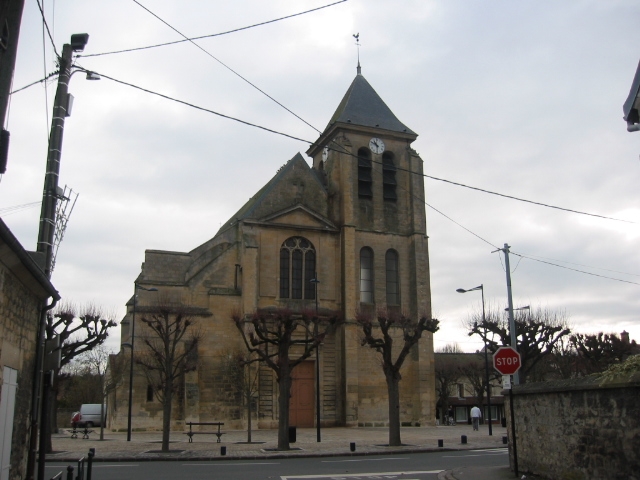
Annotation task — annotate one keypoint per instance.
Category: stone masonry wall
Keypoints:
(19, 310)
(578, 429)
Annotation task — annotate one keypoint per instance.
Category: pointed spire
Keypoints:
(361, 105)
(357, 37)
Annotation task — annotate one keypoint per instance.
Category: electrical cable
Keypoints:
(16, 208)
(534, 257)
(575, 269)
(343, 150)
(44, 21)
(314, 143)
(228, 67)
(244, 122)
(36, 82)
(213, 34)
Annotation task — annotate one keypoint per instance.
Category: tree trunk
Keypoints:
(166, 414)
(284, 391)
(394, 410)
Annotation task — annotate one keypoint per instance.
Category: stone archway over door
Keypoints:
(301, 403)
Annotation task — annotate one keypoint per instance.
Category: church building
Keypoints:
(353, 221)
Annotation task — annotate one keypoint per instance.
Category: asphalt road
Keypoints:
(418, 466)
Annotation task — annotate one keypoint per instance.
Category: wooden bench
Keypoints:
(191, 433)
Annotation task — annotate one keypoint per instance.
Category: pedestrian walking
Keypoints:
(475, 417)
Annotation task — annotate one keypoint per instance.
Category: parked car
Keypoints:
(90, 415)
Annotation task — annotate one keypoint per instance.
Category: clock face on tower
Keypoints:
(376, 145)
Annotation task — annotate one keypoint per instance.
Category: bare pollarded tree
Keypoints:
(537, 332)
(80, 329)
(378, 334)
(170, 350)
(282, 339)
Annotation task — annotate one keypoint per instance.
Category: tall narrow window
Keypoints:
(149, 393)
(389, 177)
(365, 188)
(393, 290)
(297, 268)
(366, 275)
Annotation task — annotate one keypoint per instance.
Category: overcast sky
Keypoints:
(522, 98)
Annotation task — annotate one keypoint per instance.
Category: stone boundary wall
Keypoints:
(578, 429)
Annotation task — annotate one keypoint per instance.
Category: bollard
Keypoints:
(69, 472)
(504, 440)
(92, 452)
(440, 442)
(352, 446)
(223, 451)
(80, 475)
(463, 439)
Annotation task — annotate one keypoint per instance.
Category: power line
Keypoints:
(199, 108)
(459, 224)
(352, 155)
(228, 67)
(526, 201)
(575, 269)
(343, 150)
(44, 21)
(535, 257)
(16, 208)
(214, 34)
(36, 82)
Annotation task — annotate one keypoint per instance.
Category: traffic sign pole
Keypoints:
(507, 361)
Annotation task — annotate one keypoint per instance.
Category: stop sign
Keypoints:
(506, 360)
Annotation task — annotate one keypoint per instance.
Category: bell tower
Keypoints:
(374, 176)
(375, 186)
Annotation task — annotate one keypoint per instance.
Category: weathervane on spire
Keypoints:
(357, 37)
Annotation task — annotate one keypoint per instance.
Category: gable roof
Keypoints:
(248, 210)
(362, 105)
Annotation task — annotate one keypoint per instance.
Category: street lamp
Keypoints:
(486, 356)
(315, 282)
(526, 307)
(133, 331)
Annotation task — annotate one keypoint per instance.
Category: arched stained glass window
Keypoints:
(297, 268)
(366, 275)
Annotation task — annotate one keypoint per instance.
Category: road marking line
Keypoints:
(362, 475)
(364, 460)
(108, 466)
(489, 455)
(215, 464)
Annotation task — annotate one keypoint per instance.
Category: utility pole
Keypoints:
(46, 234)
(50, 191)
(512, 323)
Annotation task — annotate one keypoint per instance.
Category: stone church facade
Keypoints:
(355, 221)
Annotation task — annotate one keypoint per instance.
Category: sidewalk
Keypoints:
(145, 446)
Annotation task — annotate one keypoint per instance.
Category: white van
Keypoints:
(90, 415)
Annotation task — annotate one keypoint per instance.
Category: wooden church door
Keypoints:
(301, 403)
